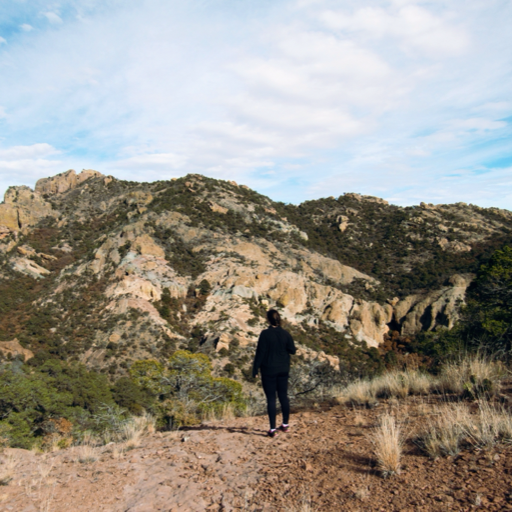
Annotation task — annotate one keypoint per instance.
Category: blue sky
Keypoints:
(402, 99)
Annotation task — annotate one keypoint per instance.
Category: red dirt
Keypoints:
(323, 464)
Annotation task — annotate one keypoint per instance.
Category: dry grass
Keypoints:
(475, 372)
(387, 442)
(445, 431)
(454, 426)
(359, 392)
(394, 384)
(133, 432)
(491, 426)
(118, 450)
(8, 465)
(88, 451)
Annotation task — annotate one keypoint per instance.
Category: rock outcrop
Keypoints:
(13, 348)
(436, 308)
(22, 208)
(65, 181)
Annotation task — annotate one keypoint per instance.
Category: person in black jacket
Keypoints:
(273, 359)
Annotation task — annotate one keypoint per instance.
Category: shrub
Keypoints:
(32, 400)
(185, 389)
(129, 395)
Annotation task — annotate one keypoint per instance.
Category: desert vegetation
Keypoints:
(462, 409)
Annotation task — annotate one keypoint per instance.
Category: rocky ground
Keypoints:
(324, 463)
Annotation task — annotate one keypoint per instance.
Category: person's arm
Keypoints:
(290, 345)
(260, 355)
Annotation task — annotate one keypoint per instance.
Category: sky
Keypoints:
(407, 100)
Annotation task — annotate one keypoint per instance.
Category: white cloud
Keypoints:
(2, 40)
(26, 27)
(53, 18)
(375, 91)
(24, 165)
(27, 152)
(413, 25)
(163, 161)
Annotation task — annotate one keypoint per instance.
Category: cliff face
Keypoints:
(107, 271)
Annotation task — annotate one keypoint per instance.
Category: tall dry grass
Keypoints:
(453, 427)
(393, 384)
(88, 451)
(387, 440)
(445, 430)
(132, 432)
(472, 374)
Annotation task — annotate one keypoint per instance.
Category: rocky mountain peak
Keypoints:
(65, 181)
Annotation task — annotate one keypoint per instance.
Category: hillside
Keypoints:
(106, 271)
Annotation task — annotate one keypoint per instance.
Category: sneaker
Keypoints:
(284, 428)
(272, 433)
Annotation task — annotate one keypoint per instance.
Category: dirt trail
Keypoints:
(324, 464)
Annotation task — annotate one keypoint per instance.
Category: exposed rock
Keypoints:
(25, 250)
(29, 268)
(343, 222)
(338, 311)
(217, 208)
(145, 245)
(15, 349)
(139, 197)
(453, 246)
(22, 207)
(360, 198)
(434, 309)
(114, 338)
(368, 322)
(65, 181)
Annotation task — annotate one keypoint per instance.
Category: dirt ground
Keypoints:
(324, 463)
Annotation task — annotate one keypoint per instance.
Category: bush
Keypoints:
(129, 395)
(31, 398)
(185, 390)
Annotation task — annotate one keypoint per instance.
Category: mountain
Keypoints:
(107, 271)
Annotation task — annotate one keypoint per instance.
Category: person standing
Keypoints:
(272, 358)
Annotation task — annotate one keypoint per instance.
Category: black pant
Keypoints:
(272, 384)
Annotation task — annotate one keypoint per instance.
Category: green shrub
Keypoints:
(185, 389)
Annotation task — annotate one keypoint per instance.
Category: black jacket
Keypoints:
(273, 352)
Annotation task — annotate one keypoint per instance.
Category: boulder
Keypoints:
(145, 245)
(338, 311)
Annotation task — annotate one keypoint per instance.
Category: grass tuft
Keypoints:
(387, 442)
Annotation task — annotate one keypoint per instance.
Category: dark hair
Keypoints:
(273, 317)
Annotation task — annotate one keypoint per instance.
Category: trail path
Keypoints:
(323, 464)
